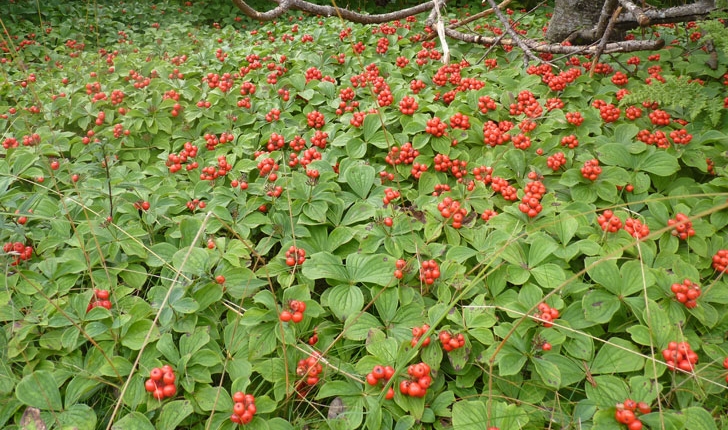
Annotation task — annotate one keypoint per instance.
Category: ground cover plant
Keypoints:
(212, 223)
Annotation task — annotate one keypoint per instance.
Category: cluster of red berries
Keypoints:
(609, 222)
(436, 127)
(496, 133)
(657, 138)
(19, 250)
(210, 173)
(486, 104)
(547, 314)
(211, 141)
(408, 105)
(405, 154)
(315, 119)
(294, 313)
(591, 169)
(429, 272)
(244, 408)
(570, 141)
(681, 136)
(450, 342)
(142, 205)
(100, 299)
(683, 226)
(460, 121)
(686, 293)
(399, 268)
(608, 112)
(440, 188)
(268, 167)
(310, 368)
(725, 366)
(556, 161)
(636, 229)
(417, 333)
(679, 355)
(526, 103)
(195, 204)
(451, 208)
(625, 413)
(488, 214)
(161, 382)
(531, 201)
(383, 374)
(295, 256)
(620, 79)
(457, 168)
(273, 115)
(420, 380)
(720, 260)
(389, 195)
(659, 117)
(175, 161)
(633, 112)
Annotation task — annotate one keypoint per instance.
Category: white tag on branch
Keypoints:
(440, 27)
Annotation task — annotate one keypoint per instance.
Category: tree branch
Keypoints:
(282, 8)
(605, 38)
(344, 14)
(557, 48)
(689, 12)
(516, 39)
(637, 13)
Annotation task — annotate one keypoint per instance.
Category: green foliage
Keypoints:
(207, 265)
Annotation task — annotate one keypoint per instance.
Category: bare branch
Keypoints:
(689, 12)
(605, 38)
(344, 14)
(636, 11)
(265, 16)
(515, 37)
(557, 48)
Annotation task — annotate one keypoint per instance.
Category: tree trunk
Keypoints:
(571, 16)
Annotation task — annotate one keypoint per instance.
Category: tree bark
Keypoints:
(571, 16)
(577, 19)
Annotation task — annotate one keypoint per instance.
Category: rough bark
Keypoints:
(571, 18)
(573, 15)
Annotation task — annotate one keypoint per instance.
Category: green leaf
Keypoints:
(23, 161)
(542, 247)
(549, 275)
(372, 124)
(338, 388)
(39, 389)
(606, 273)
(137, 334)
(510, 363)
(375, 269)
(616, 154)
(133, 421)
(659, 163)
(173, 413)
(549, 372)
(190, 343)
(78, 417)
(360, 178)
(469, 415)
(698, 419)
(606, 391)
(617, 356)
(325, 265)
(345, 301)
(191, 260)
(599, 306)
